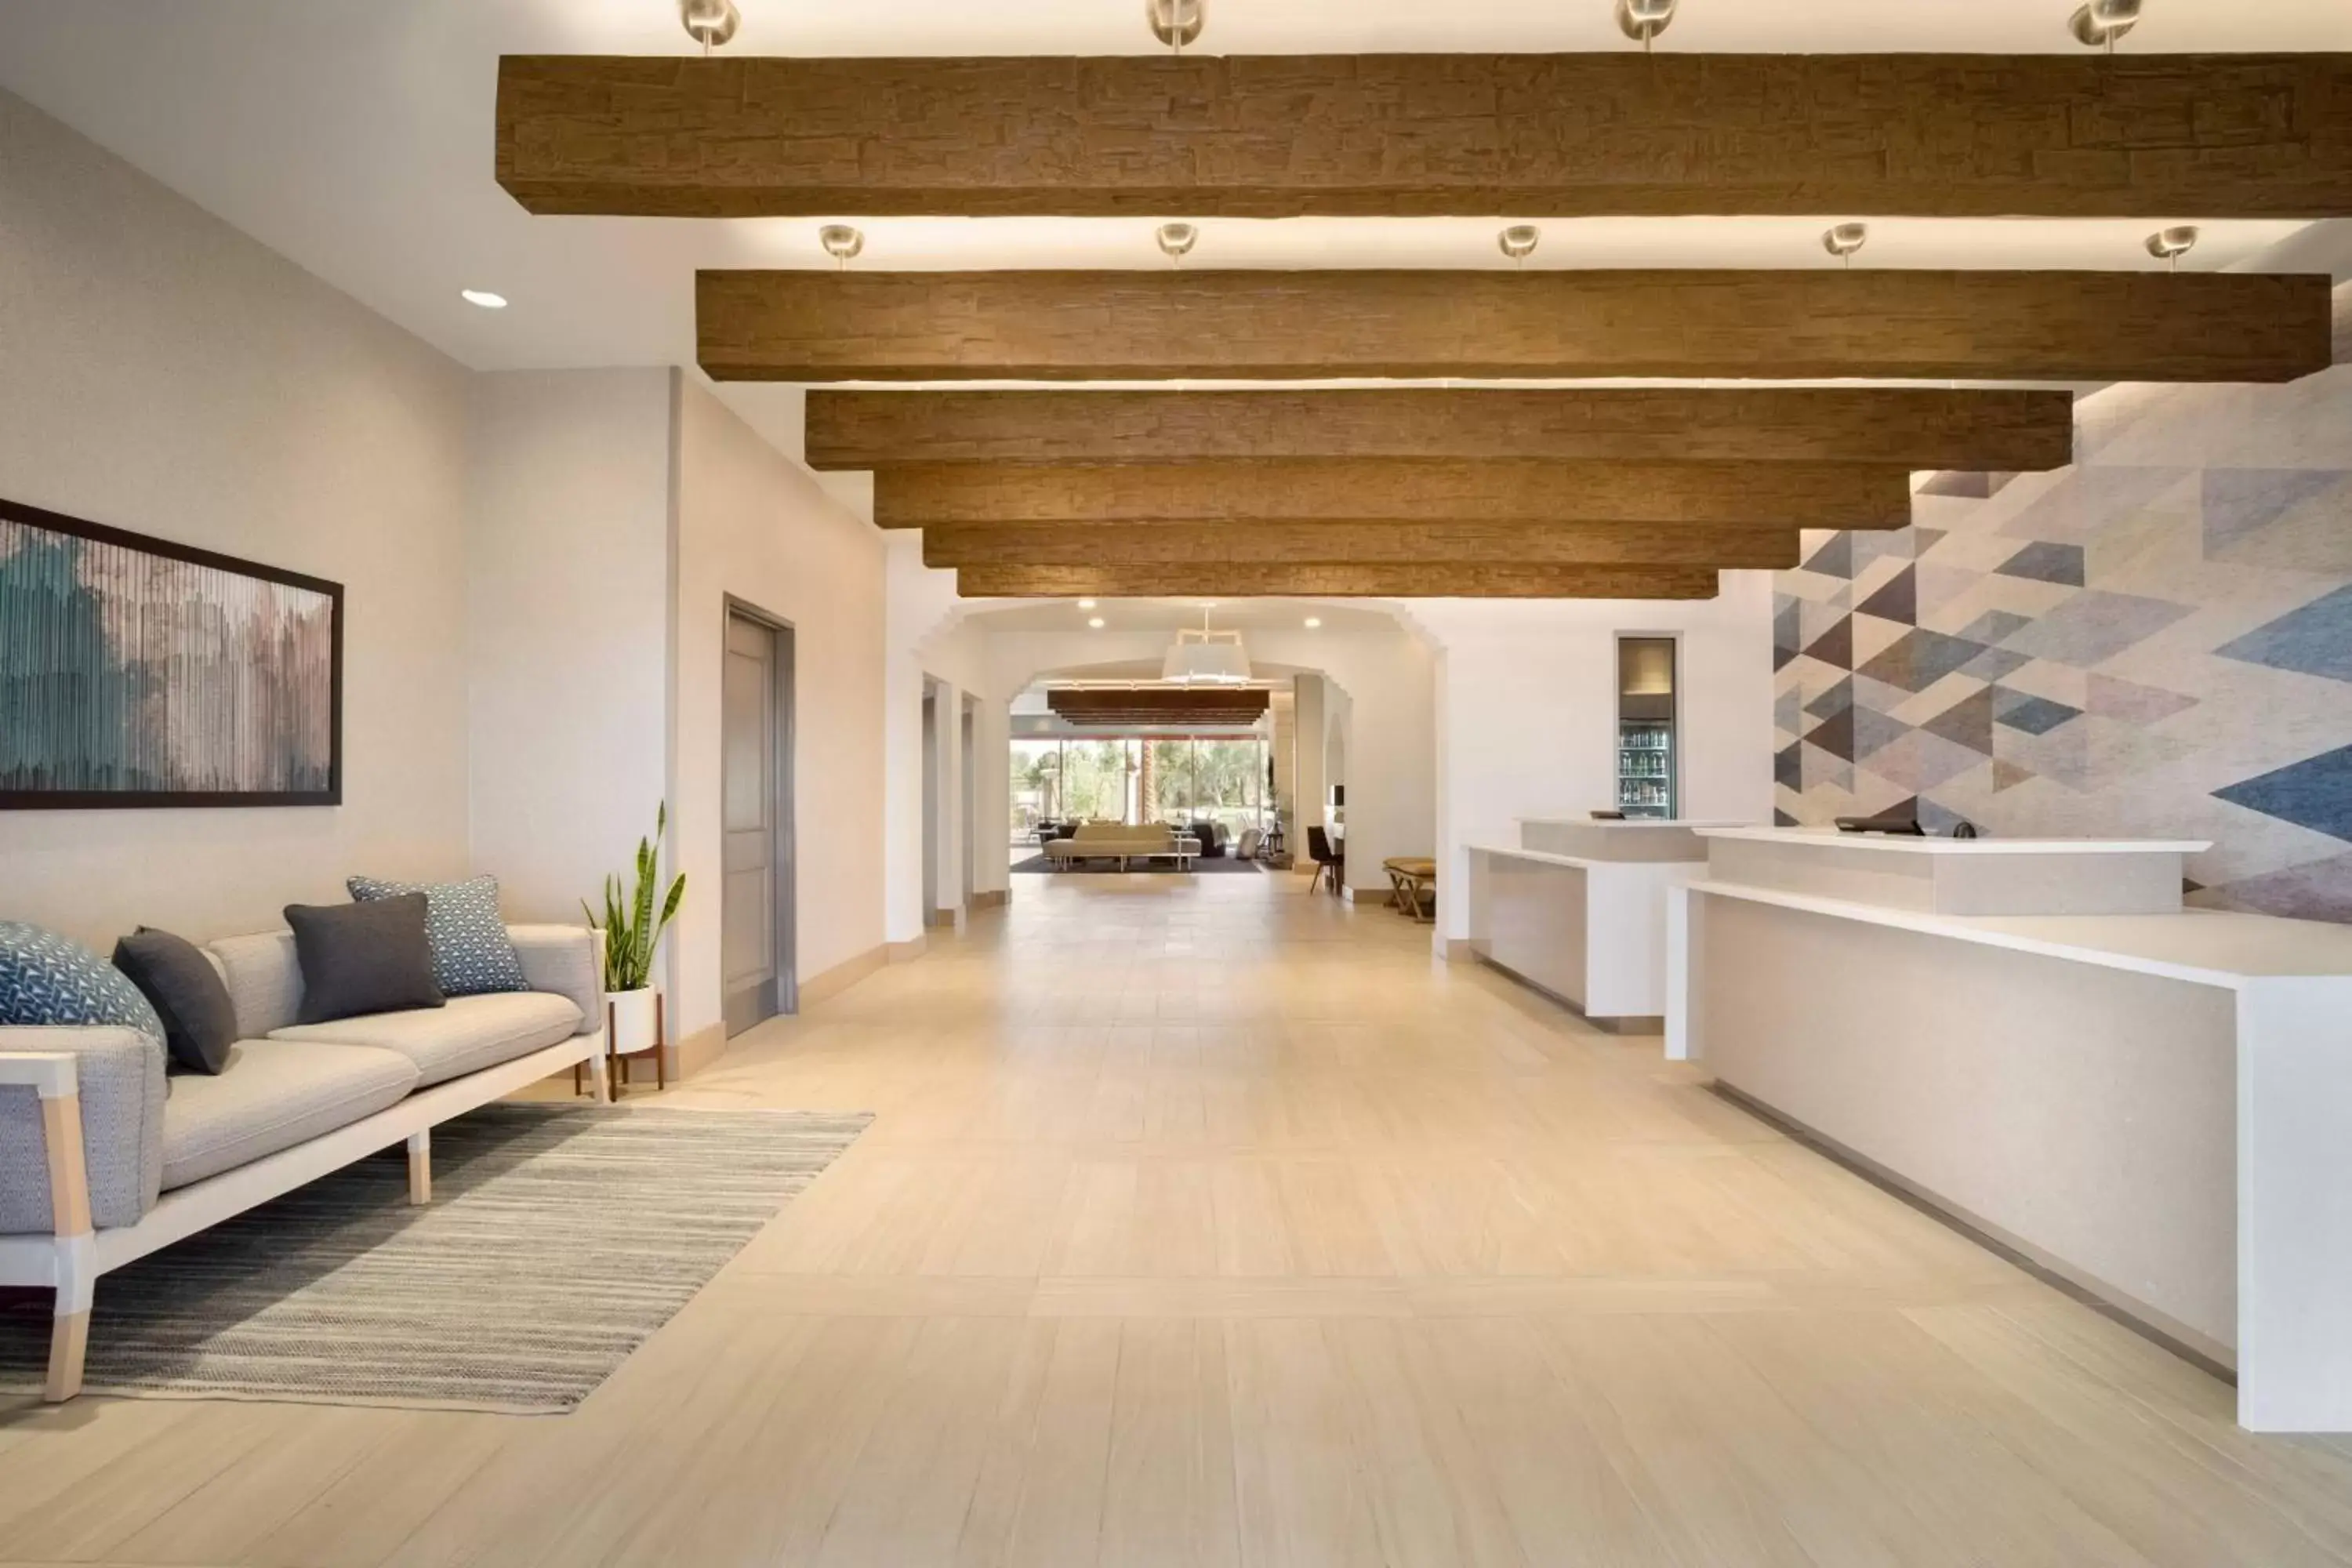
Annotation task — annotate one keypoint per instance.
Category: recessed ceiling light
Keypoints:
(1094, 621)
(1086, 604)
(484, 298)
(1314, 621)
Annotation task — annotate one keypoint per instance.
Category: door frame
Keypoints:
(784, 862)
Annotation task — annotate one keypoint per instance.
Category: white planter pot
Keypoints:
(633, 1020)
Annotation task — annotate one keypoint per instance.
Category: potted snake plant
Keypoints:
(632, 925)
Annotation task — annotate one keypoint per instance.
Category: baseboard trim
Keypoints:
(844, 975)
(907, 951)
(696, 1052)
(1608, 1023)
(2118, 1305)
(991, 899)
(1460, 949)
(938, 919)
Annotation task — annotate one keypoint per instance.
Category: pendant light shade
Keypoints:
(1204, 658)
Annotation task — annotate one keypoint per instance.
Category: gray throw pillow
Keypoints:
(46, 978)
(362, 958)
(472, 951)
(188, 995)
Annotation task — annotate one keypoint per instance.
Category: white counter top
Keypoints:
(1896, 844)
(1580, 862)
(2212, 947)
(1686, 823)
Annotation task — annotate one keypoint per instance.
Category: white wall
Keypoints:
(930, 648)
(160, 372)
(1528, 712)
(570, 603)
(753, 524)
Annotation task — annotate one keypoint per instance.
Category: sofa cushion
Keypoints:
(359, 959)
(187, 993)
(472, 951)
(48, 980)
(264, 978)
(468, 1034)
(272, 1095)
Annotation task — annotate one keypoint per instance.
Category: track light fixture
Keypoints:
(1176, 23)
(709, 23)
(1643, 20)
(2102, 22)
(1844, 240)
(841, 242)
(2169, 244)
(1176, 240)
(1518, 241)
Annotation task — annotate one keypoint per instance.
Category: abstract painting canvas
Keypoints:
(137, 672)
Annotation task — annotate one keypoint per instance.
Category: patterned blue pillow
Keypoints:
(45, 979)
(471, 952)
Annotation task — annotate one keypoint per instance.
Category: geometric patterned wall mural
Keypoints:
(2155, 641)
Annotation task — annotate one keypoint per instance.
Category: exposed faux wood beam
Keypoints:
(811, 326)
(1278, 136)
(1905, 427)
(1360, 544)
(1111, 705)
(1355, 490)
(1317, 581)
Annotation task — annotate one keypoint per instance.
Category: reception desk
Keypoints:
(1578, 909)
(2153, 1103)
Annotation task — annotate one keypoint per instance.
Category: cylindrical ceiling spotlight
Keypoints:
(1176, 23)
(709, 23)
(1842, 240)
(841, 242)
(1643, 20)
(1518, 241)
(1175, 240)
(2102, 22)
(2169, 244)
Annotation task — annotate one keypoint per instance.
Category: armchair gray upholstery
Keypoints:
(121, 1074)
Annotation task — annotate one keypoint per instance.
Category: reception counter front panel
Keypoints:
(2157, 1106)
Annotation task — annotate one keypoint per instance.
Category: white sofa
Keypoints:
(107, 1159)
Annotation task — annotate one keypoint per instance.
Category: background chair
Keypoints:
(1329, 862)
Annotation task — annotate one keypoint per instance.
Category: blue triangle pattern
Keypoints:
(2315, 792)
(2313, 640)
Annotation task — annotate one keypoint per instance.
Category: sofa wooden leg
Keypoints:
(420, 1166)
(69, 1345)
(599, 1078)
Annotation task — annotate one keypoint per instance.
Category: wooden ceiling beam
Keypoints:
(1903, 428)
(1360, 544)
(1151, 705)
(1318, 490)
(811, 326)
(1443, 580)
(2079, 135)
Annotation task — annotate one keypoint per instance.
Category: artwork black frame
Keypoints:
(110, 800)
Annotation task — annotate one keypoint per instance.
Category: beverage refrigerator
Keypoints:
(1647, 762)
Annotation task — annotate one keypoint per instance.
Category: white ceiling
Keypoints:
(355, 138)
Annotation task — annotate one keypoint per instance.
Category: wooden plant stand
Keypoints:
(621, 1060)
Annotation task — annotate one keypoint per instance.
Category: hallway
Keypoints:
(1205, 1221)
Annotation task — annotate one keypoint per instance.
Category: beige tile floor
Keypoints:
(1211, 1222)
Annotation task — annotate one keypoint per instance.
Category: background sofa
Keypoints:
(161, 1157)
(1118, 841)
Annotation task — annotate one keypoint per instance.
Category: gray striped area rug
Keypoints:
(559, 1239)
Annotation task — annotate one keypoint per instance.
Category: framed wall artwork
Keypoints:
(138, 672)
